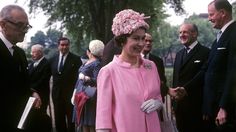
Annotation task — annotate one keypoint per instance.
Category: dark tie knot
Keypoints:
(13, 47)
(14, 50)
(185, 53)
(186, 49)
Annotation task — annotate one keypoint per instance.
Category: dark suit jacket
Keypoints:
(187, 74)
(63, 84)
(38, 120)
(218, 77)
(161, 70)
(39, 81)
(15, 87)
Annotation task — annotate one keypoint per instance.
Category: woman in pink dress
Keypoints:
(128, 88)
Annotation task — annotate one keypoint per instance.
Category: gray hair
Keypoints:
(6, 11)
(96, 47)
(222, 4)
(38, 47)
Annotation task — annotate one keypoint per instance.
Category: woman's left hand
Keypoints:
(151, 105)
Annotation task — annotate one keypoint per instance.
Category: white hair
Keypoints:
(38, 47)
(96, 47)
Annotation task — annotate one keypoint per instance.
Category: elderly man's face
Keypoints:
(16, 26)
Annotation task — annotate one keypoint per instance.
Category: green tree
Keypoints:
(86, 19)
(234, 10)
(38, 38)
(206, 32)
(52, 37)
(48, 40)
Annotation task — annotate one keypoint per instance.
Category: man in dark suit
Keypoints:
(187, 75)
(64, 67)
(158, 61)
(219, 106)
(13, 66)
(39, 73)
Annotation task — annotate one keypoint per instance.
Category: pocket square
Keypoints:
(221, 48)
(197, 61)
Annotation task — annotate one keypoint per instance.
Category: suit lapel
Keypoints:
(31, 68)
(178, 61)
(4, 50)
(190, 55)
(67, 61)
(225, 34)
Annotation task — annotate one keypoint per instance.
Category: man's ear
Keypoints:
(2, 25)
(223, 12)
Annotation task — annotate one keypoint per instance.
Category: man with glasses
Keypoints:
(13, 66)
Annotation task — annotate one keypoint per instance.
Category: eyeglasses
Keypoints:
(20, 25)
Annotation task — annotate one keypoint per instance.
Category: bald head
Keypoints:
(14, 23)
(6, 12)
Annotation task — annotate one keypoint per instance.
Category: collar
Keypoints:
(125, 64)
(147, 55)
(6, 42)
(38, 61)
(191, 46)
(60, 55)
(226, 25)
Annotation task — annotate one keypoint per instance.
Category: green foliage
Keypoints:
(234, 10)
(169, 75)
(206, 32)
(48, 40)
(166, 38)
(38, 38)
(52, 36)
(92, 19)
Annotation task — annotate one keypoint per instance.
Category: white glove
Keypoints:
(73, 97)
(151, 105)
(81, 76)
(103, 130)
(87, 78)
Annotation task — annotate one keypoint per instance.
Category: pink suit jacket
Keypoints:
(121, 92)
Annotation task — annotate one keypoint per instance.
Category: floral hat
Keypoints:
(127, 21)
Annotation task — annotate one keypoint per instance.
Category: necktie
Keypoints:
(15, 56)
(185, 54)
(218, 35)
(61, 64)
(14, 49)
